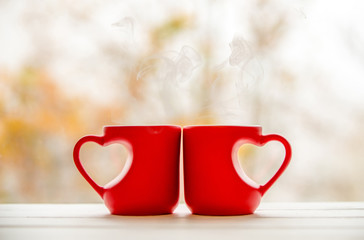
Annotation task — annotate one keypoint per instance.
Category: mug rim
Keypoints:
(221, 125)
(140, 126)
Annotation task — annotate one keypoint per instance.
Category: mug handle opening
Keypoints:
(76, 157)
(274, 137)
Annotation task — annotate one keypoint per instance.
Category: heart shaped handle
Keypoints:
(287, 158)
(76, 157)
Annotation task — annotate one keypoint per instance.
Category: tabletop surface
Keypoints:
(331, 220)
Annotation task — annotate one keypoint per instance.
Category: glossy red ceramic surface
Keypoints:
(149, 183)
(213, 185)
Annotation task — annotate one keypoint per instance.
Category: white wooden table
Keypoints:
(344, 220)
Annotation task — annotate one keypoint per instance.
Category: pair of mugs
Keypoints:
(214, 183)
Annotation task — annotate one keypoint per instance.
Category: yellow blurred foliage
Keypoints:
(39, 124)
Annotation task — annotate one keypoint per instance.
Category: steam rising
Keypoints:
(250, 77)
(127, 25)
(174, 87)
(172, 67)
(187, 61)
(242, 57)
(241, 53)
(236, 87)
(171, 74)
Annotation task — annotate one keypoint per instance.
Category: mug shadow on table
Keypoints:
(182, 220)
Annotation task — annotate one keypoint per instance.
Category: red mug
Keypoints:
(213, 180)
(150, 184)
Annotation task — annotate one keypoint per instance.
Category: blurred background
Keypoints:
(67, 68)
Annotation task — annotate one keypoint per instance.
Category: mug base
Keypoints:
(140, 214)
(222, 213)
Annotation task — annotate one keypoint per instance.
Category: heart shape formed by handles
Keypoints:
(100, 141)
(260, 163)
(274, 137)
(261, 142)
(76, 156)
